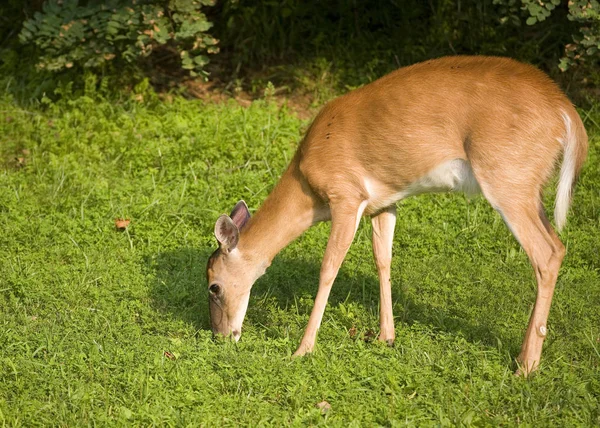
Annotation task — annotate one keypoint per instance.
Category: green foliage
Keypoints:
(95, 33)
(584, 47)
(355, 42)
(539, 10)
(108, 327)
(292, 43)
(11, 18)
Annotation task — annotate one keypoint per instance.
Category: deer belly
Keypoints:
(455, 175)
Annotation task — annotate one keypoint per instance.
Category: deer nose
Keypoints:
(236, 334)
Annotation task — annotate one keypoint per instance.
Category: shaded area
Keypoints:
(316, 48)
(309, 44)
(179, 289)
(377, 36)
(178, 285)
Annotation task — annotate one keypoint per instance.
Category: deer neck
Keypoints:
(289, 210)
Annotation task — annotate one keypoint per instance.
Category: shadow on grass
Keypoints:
(178, 285)
(179, 289)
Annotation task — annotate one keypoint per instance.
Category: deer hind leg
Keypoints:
(532, 229)
(345, 218)
(546, 272)
(383, 235)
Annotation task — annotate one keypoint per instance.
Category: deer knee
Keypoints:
(383, 264)
(543, 272)
(558, 252)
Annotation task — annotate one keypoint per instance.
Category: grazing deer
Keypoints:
(474, 124)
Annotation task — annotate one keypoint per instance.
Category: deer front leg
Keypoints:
(344, 222)
(383, 236)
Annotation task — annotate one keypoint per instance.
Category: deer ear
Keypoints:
(240, 214)
(227, 233)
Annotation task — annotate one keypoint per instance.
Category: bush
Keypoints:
(96, 33)
(337, 44)
(586, 45)
(585, 31)
(365, 39)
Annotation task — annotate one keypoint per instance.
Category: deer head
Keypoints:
(230, 274)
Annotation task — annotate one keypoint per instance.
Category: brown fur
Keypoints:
(403, 125)
(503, 118)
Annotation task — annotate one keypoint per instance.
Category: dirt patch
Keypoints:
(303, 105)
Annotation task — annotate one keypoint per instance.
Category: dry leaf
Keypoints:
(122, 223)
(352, 332)
(324, 406)
(369, 336)
(169, 355)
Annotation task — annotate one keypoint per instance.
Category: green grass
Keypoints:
(105, 327)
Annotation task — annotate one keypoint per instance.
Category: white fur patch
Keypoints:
(567, 174)
(235, 323)
(361, 210)
(455, 175)
(512, 230)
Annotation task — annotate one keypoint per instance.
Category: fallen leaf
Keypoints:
(352, 332)
(369, 336)
(324, 406)
(169, 355)
(122, 223)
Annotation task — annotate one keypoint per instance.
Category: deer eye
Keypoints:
(214, 289)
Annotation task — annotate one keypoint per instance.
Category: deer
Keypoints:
(476, 124)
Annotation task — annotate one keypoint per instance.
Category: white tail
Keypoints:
(568, 173)
(453, 124)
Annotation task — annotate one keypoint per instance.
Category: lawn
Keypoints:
(104, 326)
